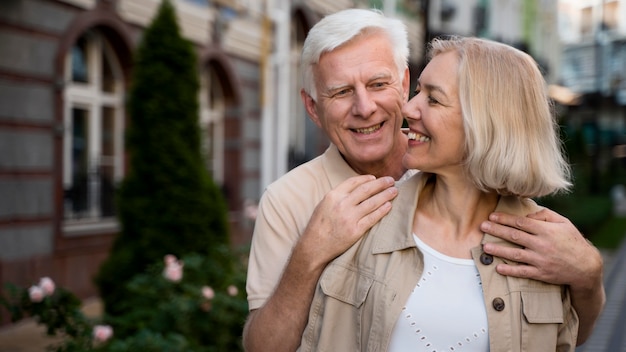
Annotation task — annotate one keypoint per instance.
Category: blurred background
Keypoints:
(65, 68)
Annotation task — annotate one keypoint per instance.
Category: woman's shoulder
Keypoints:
(517, 205)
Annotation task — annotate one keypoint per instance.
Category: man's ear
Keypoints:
(311, 108)
(406, 85)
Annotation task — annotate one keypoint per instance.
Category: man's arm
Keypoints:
(555, 252)
(344, 215)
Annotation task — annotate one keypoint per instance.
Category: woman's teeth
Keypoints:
(418, 137)
(369, 129)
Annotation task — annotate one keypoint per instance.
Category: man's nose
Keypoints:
(363, 105)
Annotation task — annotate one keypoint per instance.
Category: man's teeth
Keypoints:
(418, 137)
(369, 129)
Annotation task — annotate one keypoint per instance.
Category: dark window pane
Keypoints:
(80, 72)
(107, 163)
(76, 197)
(108, 79)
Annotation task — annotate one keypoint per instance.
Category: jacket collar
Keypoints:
(336, 166)
(395, 231)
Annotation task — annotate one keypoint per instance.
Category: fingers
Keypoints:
(523, 271)
(526, 224)
(346, 213)
(370, 219)
(529, 265)
(362, 195)
(370, 201)
(510, 253)
(547, 215)
(516, 254)
(508, 231)
(371, 195)
(363, 187)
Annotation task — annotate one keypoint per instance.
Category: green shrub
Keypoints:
(167, 202)
(180, 312)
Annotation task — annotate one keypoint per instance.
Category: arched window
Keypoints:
(93, 134)
(212, 110)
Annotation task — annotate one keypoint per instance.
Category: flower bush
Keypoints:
(172, 307)
(56, 308)
(175, 302)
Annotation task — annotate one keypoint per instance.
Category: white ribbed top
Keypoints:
(446, 310)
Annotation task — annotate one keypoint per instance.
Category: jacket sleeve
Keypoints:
(568, 331)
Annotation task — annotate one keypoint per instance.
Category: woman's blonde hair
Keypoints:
(512, 139)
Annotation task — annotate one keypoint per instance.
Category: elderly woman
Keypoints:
(482, 133)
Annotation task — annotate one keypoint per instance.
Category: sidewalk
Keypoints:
(27, 336)
(608, 334)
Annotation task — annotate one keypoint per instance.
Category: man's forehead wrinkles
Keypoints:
(341, 83)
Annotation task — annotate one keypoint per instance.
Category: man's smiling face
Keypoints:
(360, 96)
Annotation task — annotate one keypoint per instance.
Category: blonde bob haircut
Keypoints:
(512, 141)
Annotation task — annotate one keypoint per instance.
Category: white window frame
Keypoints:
(212, 113)
(90, 97)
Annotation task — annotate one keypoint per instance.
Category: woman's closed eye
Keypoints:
(432, 101)
(429, 98)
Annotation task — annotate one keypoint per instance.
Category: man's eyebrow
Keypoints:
(334, 88)
(380, 75)
(341, 86)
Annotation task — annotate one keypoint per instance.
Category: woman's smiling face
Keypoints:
(436, 133)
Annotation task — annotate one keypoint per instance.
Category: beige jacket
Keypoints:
(360, 294)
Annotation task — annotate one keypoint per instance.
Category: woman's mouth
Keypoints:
(417, 137)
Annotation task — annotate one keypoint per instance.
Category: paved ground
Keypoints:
(27, 336)
(609, 334)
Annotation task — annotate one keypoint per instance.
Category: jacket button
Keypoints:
(486, 259)
(498, 304)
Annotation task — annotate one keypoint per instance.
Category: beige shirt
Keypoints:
(361, 293)
(284, 212)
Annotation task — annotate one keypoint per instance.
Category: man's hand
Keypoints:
(553, 251)
(345, 214)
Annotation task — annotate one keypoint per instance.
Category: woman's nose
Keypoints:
(410, 110)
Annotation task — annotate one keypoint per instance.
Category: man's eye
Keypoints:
(342, 93)
(432, 100)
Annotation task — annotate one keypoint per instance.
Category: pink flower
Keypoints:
(170, 259)
(232, 290)
(173, 271)
(36, 294)
(207, 292)
(250, 209)
(47, 285)
(101, 333)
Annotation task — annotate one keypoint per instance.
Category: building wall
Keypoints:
(35, 36)
(31, 34)
(532, 23)
(593, 63)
